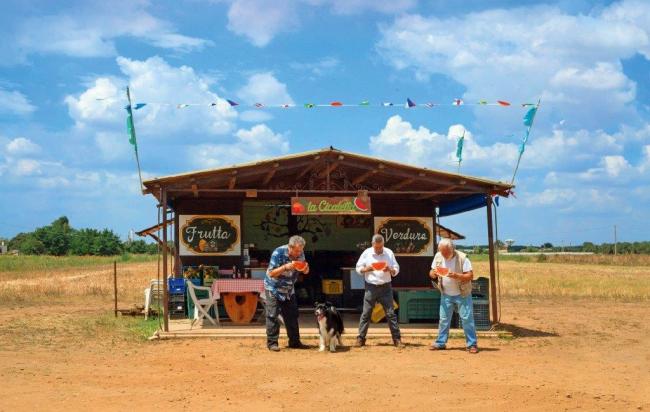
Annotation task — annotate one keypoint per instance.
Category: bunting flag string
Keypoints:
(409, 104)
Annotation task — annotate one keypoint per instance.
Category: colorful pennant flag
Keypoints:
(309, 105)
(364, 103)
(139, 106)
(410, 103)
(336, 104)
(232, 103)
(530, 116)
(503, 103)
(429, 105)
(459, 147)
(482, 101)
(458, 102)
(182, 106)
(259, 105)
(387, 104)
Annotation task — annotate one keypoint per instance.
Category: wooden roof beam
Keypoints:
(308, 168)
(233, 180)
(402, 184)
(362, 178)
(331, 167)
(270, 174)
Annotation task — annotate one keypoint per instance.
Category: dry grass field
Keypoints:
(580, 342)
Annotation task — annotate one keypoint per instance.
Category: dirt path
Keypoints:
(569, 355)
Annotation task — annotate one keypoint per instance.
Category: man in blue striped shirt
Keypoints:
(279, 283)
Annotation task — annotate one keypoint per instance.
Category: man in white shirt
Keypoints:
(455, 290)
(378, 288)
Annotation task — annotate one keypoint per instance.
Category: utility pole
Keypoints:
(615, 241)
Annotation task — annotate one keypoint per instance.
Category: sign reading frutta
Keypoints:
(407, 236)
(330, 206)
(209, 235)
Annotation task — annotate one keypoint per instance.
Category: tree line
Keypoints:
(60, 239)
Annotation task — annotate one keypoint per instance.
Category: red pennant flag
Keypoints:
(503, 103)
(336, 104)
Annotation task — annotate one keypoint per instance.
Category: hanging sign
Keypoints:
(347, 205)
(209, 235)
(407, 236)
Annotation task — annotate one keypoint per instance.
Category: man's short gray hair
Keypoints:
(446, 243)
(296, 241)
(377, 238)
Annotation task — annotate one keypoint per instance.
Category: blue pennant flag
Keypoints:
(529, 116)
(139, 106)
(230, 102)
(410, 103)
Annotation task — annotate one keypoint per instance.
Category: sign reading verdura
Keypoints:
(212, 235)
(330, 206)
(407, 236)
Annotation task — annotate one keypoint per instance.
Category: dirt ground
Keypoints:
(566, 355)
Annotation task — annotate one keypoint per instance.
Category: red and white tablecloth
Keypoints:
(237, 286)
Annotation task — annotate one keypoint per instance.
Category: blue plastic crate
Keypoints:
(176, 286)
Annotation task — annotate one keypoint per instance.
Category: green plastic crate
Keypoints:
(418, 305)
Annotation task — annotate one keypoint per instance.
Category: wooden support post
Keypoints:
(493, 283)
(115, 284)
(164, 263)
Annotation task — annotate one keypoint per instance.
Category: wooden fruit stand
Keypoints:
(233, 217)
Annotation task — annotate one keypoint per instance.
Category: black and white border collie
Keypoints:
(330, 326)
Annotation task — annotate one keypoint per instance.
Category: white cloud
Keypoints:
(261, 20)
(26, 167)
(318, 68)
(155, 82)
(21, 146)
(256, 143)
(265, 88)
(14, 102)
(573, 62)
(91, 30)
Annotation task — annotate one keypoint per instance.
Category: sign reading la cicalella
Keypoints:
(214, 235)
(407, 236)
(330, 206)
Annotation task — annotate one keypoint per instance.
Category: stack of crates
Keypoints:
(481, 309)
(176, 287)
(418, 305)
(481, 287)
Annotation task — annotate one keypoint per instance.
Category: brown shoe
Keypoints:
(436, 347)
(398, 344)
(472, 349)
(360, 342)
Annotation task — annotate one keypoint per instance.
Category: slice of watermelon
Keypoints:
(442, 271)
(359, 204)
(379, 265)
(299, 265)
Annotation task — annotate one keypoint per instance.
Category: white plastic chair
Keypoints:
(202, 306)
(153, 296)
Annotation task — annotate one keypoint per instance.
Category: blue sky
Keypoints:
(586, 167)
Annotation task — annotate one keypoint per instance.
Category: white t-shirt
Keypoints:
(377, 277)
(452, 286)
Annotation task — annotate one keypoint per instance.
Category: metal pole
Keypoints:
(164, 263)
(115, 284)
(493, 283)
(615, 241)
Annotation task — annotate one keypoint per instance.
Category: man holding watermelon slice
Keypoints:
(281, 276)
(454, 270)
(378, 266)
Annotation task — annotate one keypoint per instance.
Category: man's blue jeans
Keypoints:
(466, 312)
